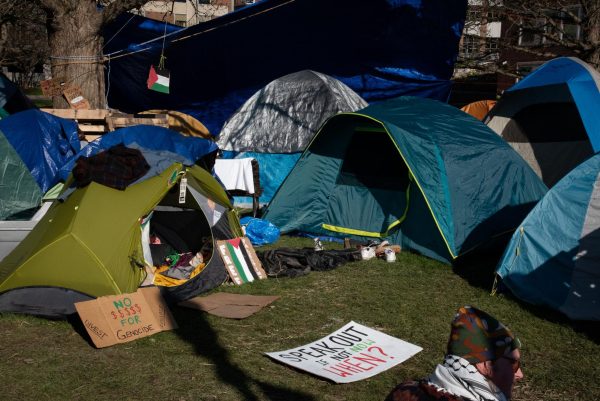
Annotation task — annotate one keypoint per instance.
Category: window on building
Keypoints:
(473, 15)
(562, 24)
(493, 15)
(531, 34)
(571, 29)
(180, 19)
(470, 46)
(492, 48)
(525, 68)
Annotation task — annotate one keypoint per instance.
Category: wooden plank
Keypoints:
(85, 128)
(120, 122)
(97, 114)
(90, 138)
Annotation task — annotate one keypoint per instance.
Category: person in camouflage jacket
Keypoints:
(482, 363)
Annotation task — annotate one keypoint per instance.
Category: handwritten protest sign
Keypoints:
(51, 87)
(352, 353)
(74, 96)
(121, 318)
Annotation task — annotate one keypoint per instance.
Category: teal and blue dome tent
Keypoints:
(416, 172)
(551, 117)
(553, 259)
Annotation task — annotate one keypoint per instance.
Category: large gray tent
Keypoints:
(276, 124)
(283, 116)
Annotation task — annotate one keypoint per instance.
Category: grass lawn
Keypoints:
(212, 358)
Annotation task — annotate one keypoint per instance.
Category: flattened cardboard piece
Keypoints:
(240, 260)
(51, 87)
(232, 306)
(122, 318)
(74, 96)
(354, 352)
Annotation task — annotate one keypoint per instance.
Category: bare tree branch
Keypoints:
(117, 7)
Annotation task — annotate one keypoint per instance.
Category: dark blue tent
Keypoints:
(380, 49)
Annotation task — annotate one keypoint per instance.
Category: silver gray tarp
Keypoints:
(283, 116)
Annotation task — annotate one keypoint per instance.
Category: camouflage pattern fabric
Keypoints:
(478, 337)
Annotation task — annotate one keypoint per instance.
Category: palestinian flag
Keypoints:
(240, 260)
(158, 80)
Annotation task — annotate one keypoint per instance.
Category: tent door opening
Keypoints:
(371, 192)
(179, 236)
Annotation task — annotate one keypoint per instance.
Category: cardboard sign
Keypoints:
(352, 353)
(122, 318)
(232, 306)
(240, 260)
(51, 87)
(74, 96)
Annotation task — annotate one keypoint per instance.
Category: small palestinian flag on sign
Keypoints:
(240, 260)
(158, 79)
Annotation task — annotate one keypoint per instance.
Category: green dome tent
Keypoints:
(417, 172)
(90, 244)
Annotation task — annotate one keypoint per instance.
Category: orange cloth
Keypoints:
(479, 109)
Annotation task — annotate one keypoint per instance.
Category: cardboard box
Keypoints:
(122, 318)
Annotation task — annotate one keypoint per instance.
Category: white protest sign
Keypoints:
(351, 353)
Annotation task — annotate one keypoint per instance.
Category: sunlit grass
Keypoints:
(211, 358)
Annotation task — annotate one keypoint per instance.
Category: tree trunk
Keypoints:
(76, 51)
(593, 35)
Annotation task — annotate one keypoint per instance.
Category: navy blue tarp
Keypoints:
(380, 49)
(43, 141)
(150, 138)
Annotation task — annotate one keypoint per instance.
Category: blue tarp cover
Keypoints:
(43, 141)
(150, 138)
(380, 49)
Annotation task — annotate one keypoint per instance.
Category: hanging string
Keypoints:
(107, 84)
(120, 29)
(123, 53)
(161, 62)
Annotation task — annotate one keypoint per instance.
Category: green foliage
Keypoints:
(211, 358)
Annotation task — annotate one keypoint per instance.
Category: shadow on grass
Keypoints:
(195, 329)
(478, 267)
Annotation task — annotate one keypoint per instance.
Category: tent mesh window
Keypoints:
(373, 160)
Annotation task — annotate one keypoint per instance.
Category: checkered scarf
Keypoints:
(459, 377)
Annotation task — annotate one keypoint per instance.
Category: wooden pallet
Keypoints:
(94, 123)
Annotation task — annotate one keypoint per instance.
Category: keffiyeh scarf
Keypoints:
(457, 376)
